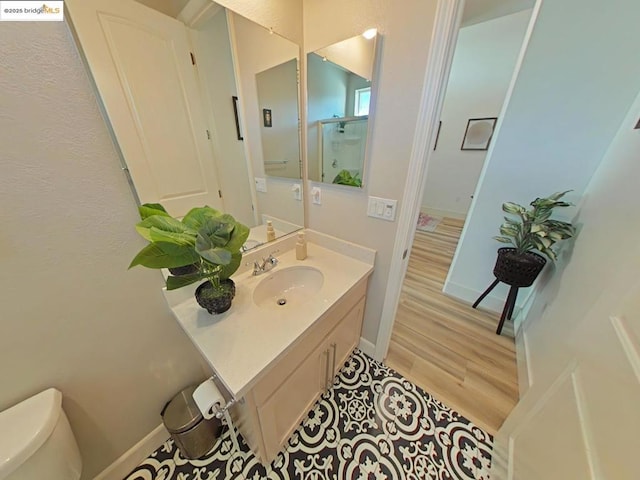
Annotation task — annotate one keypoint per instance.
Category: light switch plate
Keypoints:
(296, 189)
(261, 184)
(382, 208)
(316, 196)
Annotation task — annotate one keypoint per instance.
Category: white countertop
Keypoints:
(242, 342)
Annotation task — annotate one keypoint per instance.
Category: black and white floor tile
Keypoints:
(373, 424)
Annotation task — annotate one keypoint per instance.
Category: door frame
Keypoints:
(443, 40)
(445, 34)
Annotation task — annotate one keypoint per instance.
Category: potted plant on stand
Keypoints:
(532, 233)
(206, 241)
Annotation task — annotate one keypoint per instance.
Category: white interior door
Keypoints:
(584, 425)
(141, 64)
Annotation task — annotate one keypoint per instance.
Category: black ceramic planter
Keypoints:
(186, 270)
(518, 269)
(216, 303)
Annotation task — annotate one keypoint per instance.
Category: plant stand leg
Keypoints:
(485, 293)
(508, 307)
(513, 303)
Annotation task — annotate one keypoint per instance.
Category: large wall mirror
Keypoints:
(339, 87)
(203, 104)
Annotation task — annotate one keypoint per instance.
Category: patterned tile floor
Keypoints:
(373, 424)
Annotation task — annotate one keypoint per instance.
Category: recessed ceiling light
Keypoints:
(369, 34)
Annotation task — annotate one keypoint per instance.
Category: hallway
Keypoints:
(445, 346)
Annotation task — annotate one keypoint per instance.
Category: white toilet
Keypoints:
(36, 441)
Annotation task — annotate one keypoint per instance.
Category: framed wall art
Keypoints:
(478, 133)
(266, 117)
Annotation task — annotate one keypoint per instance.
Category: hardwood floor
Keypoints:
(445, 346)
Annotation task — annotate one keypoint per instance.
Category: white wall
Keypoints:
(610, 233)
(407, 35)
(73, 317)
(572, 329)
(483, 64)
(356, 54)
(215, 67)
(576, 83)
(278, 202)
(283, 16)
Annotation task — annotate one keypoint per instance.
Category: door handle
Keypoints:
(334, 346)
(326, 370)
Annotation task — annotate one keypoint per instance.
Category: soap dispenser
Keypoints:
(301, 247)
(271, 233)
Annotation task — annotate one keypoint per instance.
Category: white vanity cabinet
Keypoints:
(283, 395)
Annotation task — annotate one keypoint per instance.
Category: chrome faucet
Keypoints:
(265, 265)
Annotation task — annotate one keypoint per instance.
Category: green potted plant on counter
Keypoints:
(207, 242)
(532, 231)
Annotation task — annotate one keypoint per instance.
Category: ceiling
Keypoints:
(168, 7)
(477, 11)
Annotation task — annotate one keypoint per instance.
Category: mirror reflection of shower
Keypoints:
(342, 143)
(339, 82)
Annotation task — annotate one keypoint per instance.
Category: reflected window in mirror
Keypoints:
(339, 87)
(362, 100)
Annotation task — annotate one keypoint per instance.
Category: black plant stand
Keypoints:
(517, 270)
(509, 304)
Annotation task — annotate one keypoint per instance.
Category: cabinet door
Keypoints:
(346, 336)
(282, 412)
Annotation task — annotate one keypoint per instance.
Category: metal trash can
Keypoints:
(193, 435)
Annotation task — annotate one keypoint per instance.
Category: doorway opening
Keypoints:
(437, 341)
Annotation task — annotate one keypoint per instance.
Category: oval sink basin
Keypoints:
(290, 286)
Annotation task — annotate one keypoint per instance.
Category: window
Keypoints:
(363, 97)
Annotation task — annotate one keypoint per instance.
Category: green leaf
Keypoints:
(165, 255)
(549, 253)
(238, 238)
(511, 207)
(165, 224)
(545, 242)
(196, 217)
(149, 209)
(217, 230)
(559, 195)
(174, 282)
(344, 177)
(216, 255)
(503, 239)
(211, 253)
(158, 235)
(542, 215)
(509, 230)
(234, 264)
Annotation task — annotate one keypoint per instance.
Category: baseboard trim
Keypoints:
(468, 295)
(135, 455)
(367, 347)
(435, 212)
(525, 376)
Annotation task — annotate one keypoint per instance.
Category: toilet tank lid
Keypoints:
(25, 427)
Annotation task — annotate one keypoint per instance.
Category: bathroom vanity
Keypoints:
(276, 359)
